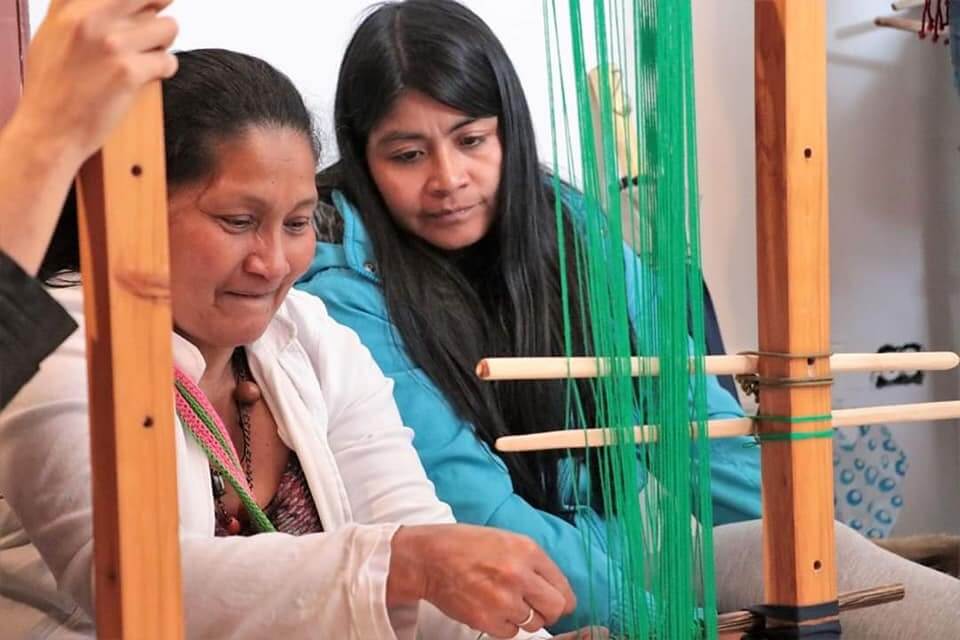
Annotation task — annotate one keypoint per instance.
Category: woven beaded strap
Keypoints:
(196, 412)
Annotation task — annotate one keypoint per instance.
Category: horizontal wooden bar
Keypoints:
(904, 24)
(905, 4)
(581, 367)
(729, 427)
(744, 621)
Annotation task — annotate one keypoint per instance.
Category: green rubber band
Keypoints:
(823, 417)
(795, 435)
(792, 435)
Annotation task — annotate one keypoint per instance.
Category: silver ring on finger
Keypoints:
(529, 618)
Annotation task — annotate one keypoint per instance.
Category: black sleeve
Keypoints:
(32, 325)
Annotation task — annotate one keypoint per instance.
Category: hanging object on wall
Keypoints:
(934, 18)
(934, 22)
(902, 376)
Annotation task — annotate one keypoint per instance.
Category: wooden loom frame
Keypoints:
(793, 294)
(799, 567)
(793, 361)
(126, 283)
(122, 203)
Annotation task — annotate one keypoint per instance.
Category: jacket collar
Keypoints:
(357, 246)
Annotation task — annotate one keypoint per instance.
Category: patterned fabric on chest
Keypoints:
(291, 510)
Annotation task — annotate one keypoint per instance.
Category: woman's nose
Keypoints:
(449, 173)
(269, 259)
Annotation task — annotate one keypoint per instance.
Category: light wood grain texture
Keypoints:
(793, 290)
(613, 106)
(627, 143)
(906, 4)
(124, 257)
(730, 427)
(901, 24)
(580, 367)
(736, 623)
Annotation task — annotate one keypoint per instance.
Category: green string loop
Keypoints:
(791, 436)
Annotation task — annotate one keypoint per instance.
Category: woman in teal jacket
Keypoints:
(441, 249)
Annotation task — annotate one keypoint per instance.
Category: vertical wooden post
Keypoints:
(793, 290)
(124, 258)
(14, 35)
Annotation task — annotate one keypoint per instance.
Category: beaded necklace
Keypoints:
(201, 419)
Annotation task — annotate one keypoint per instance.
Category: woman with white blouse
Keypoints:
(304, 510)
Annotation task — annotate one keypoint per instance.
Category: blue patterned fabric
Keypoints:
(869, 467)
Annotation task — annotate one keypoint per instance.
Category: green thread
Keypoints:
(823, 417)
(791, 436)
(659, 569)
(795, 435)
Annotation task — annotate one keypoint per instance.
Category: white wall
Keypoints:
(306, 40)
(893, 162)
(894, 131)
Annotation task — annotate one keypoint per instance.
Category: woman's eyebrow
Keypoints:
(399, 135)
(462, 123)
(257, 202)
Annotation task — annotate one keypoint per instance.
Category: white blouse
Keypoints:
(333, 407)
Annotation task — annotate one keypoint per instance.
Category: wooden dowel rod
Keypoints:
(904, 24)
(905, 4)
(556, 368)
(730, 427)
(901, 24)
(917, 412)
(748, 621)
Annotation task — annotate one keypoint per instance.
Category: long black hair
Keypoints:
(216, 94)
(500, 297)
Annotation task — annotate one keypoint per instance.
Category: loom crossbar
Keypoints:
(735, 623)
(554, 368)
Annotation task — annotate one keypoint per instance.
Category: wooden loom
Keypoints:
(126, 282)
(793, 364)
(122, 202)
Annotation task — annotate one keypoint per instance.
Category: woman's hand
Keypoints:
(491, 580)
(86, 63)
